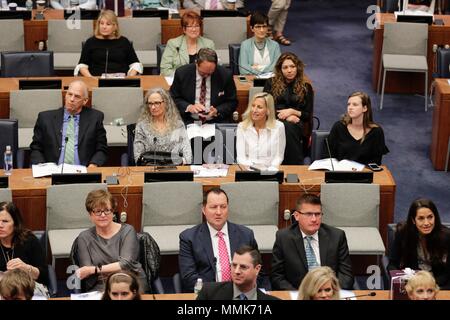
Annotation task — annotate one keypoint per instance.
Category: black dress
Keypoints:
(30, 252)
(293, 154)
(108, 55)
(344, 146)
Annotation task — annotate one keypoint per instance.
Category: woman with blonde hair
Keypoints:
(160, 128)
(319, 284)
(108, 52)
(260, 138)
(422, 286)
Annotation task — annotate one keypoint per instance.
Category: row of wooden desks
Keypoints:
(29, 194)
(440, 133)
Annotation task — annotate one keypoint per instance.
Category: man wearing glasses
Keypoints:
(72, 134)
(308, 244)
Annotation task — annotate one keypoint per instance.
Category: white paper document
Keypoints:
(343, 165)
(210, 170)
(205, 130)
(94, 295)
(47, 169)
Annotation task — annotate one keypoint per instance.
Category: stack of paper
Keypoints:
(49, 168)
(343, 165)
(94, 295)
(209, 171)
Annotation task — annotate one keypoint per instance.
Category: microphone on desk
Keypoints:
(64, 153)
(329, 153)
(253, 72)
(370, 294)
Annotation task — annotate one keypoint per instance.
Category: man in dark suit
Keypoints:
(203, 90)
(206, 249)
(73, 134)
(245, 268)
(307, 244)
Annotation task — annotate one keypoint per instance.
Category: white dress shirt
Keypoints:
(215, 244)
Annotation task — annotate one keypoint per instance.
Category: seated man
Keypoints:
(213, 4)
(307, 244)
(72, 134)
(204, 90)
(206, 249)
(72, 4)
(245, 268)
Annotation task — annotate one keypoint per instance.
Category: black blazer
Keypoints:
(224, 291)
(289, 264)
(196, 257)
(223, 92)
(47, 137)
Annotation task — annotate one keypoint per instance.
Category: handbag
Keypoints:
(159, 158)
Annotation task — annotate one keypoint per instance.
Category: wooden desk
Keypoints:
(147, 82)
(407, 82)
(37, 30)
(441, 124)
(30, 194)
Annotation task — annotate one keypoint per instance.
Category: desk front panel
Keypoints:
(441, 124)
(30, 194)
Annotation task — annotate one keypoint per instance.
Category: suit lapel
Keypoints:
(205, 240)
(58, 126)
(235, 240)
(82, 126)
(324, 240)
(298, 241)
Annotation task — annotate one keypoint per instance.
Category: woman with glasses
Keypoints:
(106, 247)
(183, 49)
(319, 284)
(260, 140)
(259, 53)
(160, 128)
(107, 52)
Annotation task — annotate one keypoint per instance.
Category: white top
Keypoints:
(263, 149)
(314, 244)
(215, 244)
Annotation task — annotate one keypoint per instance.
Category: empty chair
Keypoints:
(121, 106)
(27, 64)
(169, 208)
(12, 36)
(255, 205)
(318, 145)
(254, 90)
(443, 61)
(143, 45)
(67, 216)
(9, 132)
(236, 32)
(65, 38)
(225, 140)
(404, 50)
(354, 208)
(52, 281)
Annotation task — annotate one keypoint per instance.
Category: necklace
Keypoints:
(260, 46)
(6, 255)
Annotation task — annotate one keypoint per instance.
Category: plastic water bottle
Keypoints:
(9, 161)
(29, 4)
(198, 286)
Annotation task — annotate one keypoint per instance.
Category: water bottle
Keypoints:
(29, 4)
(8, 161)
(198, 286)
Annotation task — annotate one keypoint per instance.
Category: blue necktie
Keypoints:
(310, 255)
(242, 296)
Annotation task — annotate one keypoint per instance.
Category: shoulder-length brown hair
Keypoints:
(279, 83)
(110, 16)
(20, 233)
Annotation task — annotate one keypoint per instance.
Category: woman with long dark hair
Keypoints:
(422, 242)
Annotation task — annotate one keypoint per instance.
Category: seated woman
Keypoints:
(107, 247)
(319, 284)
(107, 52)
(160, 127)
(260, 140)
(122, 285)
(422, 242)
(20, 249)
(16, 284)
(294, 100)
(420, 5)
(213, 5)
(422, 286)
(71, 4)
(259, 53)
(356, 137)
(183, 49)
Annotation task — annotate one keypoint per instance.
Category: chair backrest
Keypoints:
(318, 146)
(149, 256)
(131, 131)
(236, 30)
(350, 204)
(5, 194)
(64, 37)
(25, 105)
(443, 62)
(9, 136)
(234, 50)
(405, 38)
(159, 53)
(225, 140)
(12, 36)
(252, 91)
(27, 64)
(172, 203)
(66, 205)
(133, 29)
(111, 102)
(252, 203)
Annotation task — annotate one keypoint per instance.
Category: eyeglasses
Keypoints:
(155, 103)
(311, 214)
(192, 27)
(260, 27)
(99, 212)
